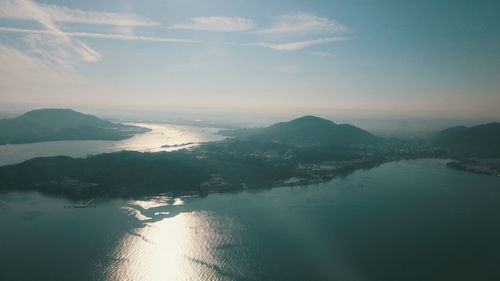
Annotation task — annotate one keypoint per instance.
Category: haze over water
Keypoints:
(406, 220)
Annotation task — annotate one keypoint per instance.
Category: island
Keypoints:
(62, 124)
(177, 145)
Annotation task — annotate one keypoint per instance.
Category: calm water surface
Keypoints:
(407, 220)
(159, 135)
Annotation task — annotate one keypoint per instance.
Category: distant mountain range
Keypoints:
(307, 130)
(61, 124)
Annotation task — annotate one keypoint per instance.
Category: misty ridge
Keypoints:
(302, 151)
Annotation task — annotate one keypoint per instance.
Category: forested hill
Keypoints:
(61, 124)
(307, 130)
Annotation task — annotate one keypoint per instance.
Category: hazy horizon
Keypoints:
(386, 60)
(385, 126)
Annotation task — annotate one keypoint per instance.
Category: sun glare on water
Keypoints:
(165, 247)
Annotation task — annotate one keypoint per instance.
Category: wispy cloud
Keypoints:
(48, 57)
(217, 24)
(18, 64)
(294, 46)
(302, 22)
(56, 47)
(17, 9)
(322, 54)
(99, 35)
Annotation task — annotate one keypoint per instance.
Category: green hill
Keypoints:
(61, 124)
(307, 130)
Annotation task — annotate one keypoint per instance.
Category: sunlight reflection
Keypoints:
(155, 202)
(133, 212)
(173, 248)
(161, 134)
(152, 203)
(167, 134)
(178, 201)
(156, 252)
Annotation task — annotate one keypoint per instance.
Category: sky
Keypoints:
(428, 58)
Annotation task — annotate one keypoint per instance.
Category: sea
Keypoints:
(152, 141)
